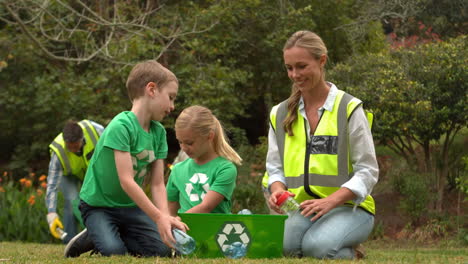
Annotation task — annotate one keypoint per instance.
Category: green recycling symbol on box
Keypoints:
(231, 232)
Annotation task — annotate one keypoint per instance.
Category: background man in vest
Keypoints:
(70, 153)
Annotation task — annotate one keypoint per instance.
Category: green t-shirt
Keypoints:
(189, 183)
(101, 186)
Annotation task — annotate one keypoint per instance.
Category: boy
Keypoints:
(119, 217)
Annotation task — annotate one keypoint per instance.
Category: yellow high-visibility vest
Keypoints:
(72, 164)
(327, 159)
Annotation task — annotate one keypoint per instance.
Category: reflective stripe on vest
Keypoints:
(63, 157)
(86, 125)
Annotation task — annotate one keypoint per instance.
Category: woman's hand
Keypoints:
(322, 206)
(318, 207)
(276, 188)
(272, 201)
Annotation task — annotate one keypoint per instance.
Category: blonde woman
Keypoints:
(204, 182)
(320, 148)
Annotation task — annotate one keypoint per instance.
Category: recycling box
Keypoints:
(261, 235)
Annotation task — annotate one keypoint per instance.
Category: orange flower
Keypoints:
(32, 200)
(43, 177)
(39, 192)
(5, 174)
(22, 181)
(27, 183)
(1, 189)
(44, 185)
(32, 174)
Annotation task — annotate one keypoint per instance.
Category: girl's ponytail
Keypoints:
(221, 144)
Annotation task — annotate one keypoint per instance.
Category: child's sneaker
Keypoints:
(79, 245)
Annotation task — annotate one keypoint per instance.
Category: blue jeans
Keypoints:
(118, 231)
(69, 188)
(332, 236)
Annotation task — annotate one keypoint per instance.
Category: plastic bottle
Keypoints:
(245, 212)
(61, 233)
(236, 250)
(287, 203)
(185, 244)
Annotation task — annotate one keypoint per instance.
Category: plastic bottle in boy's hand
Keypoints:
(287, 203)
(185, 244)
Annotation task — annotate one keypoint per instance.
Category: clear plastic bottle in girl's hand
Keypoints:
(185, 244)
(287, 203)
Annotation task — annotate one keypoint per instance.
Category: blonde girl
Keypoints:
(204, 182)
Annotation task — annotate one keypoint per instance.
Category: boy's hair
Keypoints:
(72, 132)
(145, 72)
(200, 120)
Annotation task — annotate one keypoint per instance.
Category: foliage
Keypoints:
(378, 232)
(417, 96)
(413, 187)
(226, 54)
(463, 236)
(424, 36)
(461, 181)
(82, 31)
(248, 194)
(447, 17)
(22, 207)
(39, 97)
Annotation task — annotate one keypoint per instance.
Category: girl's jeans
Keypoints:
(332, 236)
(118, 231)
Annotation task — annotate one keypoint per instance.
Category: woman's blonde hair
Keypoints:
(316, 48)
(201, 120)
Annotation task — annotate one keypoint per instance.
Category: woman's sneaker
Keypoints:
(78, 245)
(359, 251)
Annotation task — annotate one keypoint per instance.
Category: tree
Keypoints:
(72, 57)
(246, 45)
(419, 98)
(81, 31)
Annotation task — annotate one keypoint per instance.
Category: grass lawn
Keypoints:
(380, 251)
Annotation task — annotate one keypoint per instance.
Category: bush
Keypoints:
(248, 193)
(414, 189)
(23, 209)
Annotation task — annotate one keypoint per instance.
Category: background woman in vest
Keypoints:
(70, 153)
(326, 131)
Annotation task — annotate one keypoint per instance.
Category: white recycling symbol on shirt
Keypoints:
(197, 178)
(232, 232)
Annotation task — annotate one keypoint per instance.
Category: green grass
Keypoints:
(383, 251)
